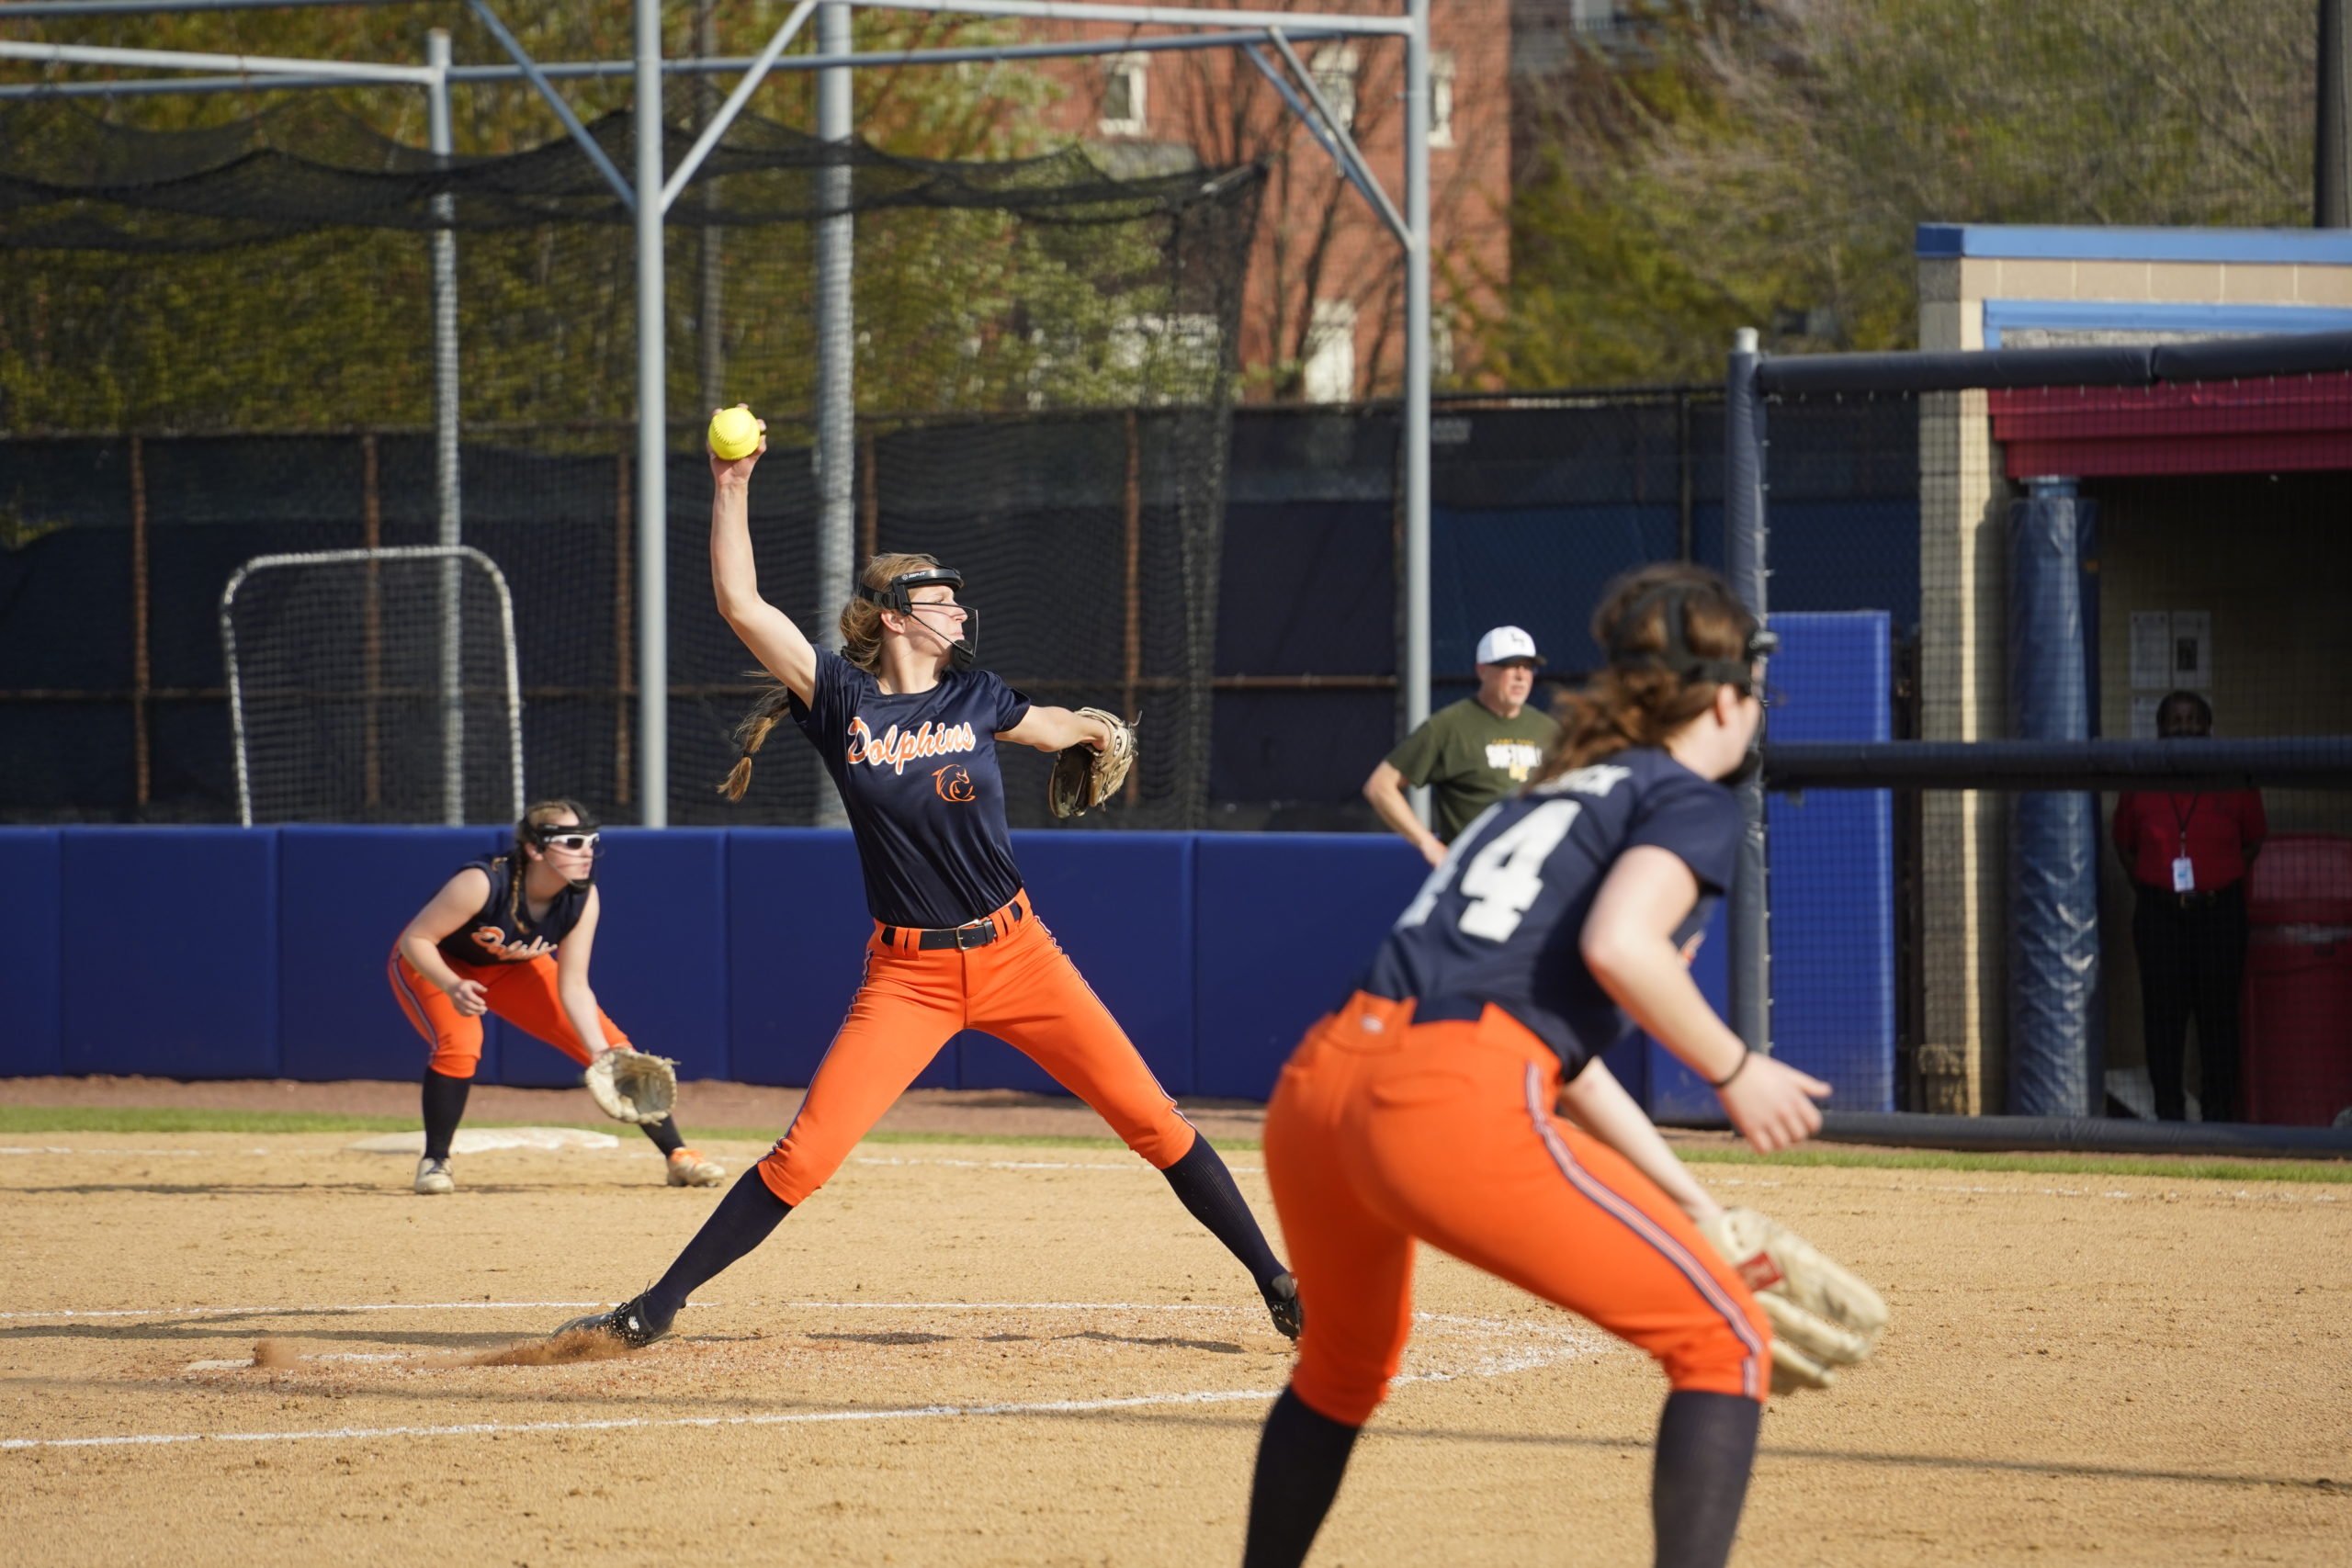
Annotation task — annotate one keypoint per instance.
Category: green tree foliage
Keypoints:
(959, 307)
(1766, 163)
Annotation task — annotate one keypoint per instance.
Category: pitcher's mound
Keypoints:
(479, 1140)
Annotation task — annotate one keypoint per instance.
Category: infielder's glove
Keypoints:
(1085, 778)
(1823, 1316)
(630, 1086)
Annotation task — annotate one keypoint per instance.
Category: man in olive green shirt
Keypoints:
(1472, 753)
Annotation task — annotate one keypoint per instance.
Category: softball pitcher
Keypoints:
(908, 727)
(1423, 1110)
(511, 935)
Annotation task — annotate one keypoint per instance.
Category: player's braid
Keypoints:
(751, 734)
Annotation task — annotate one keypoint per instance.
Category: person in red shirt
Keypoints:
(2186, 855)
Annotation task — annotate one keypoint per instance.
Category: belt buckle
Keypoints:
(976, 926)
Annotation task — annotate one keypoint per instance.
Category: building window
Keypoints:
(1442, 99)
(1334, 71)
(1441, 343)
(1124, 98)
(1330, 375)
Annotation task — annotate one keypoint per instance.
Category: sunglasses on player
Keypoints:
(573, 839)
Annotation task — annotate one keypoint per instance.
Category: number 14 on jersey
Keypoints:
(1504, 877)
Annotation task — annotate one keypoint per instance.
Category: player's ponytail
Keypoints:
(751, 734)
(1640, 699)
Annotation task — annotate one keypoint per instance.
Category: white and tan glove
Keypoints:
(1084, 778)
(630, 1086)
(1824, 1316)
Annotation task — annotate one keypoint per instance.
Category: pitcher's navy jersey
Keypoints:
(498, 936)
(918, 776)
(1500, 921)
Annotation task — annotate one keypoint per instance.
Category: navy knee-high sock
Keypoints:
(1706, 1446)
(665, 1135)
(1207, 1188)
(1301, 1457)
(445, 1105)
(743, 1219)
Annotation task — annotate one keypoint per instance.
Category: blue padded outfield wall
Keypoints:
(206, 953)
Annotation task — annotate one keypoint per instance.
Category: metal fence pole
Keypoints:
(652, 437)
(1749, 912)
(836, 411)
(446, 389)
(1416, 375)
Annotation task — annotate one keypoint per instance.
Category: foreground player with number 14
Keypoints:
(1423, 1109)
(907, 728)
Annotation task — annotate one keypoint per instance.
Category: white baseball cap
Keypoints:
(1506, 643)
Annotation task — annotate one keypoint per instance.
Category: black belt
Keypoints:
(930, 939)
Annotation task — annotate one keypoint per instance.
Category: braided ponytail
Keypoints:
(751, 734)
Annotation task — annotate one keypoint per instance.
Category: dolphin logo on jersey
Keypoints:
(898, 747)
(954, 782)
(493, 940)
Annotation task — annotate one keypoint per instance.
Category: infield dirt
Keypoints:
(964, 1354)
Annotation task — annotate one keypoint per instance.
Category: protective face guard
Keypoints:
(962, 652)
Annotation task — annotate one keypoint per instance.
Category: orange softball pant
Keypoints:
(522, 994)
(1384, 1131)
(1022, 989)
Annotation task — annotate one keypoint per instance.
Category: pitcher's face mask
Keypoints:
(963, 651)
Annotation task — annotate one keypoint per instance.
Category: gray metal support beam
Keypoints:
(1749, 913)
(539, 80)
(307, 76)
(446, 492)
(836, 328)
(735, 102)
(341, 73)
(1416, 433)
(1351, 157)
(652, 438)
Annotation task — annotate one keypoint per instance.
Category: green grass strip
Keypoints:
(40, 1118)
(2177, 1167)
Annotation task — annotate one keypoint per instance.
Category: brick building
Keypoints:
(1324, 316)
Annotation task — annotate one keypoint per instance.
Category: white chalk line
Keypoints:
(143, 1154)
(1565, 1344)
(332, 1308)
(243, 1362)
(324, 1311)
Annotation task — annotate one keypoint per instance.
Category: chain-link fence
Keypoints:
(2123, 883)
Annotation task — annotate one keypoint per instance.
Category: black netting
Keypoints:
(233, 327)
(2048, 564)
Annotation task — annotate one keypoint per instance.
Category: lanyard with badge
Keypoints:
(2184, 870)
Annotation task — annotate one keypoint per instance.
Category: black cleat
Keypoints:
(1282, 1300)
(627, 1323)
